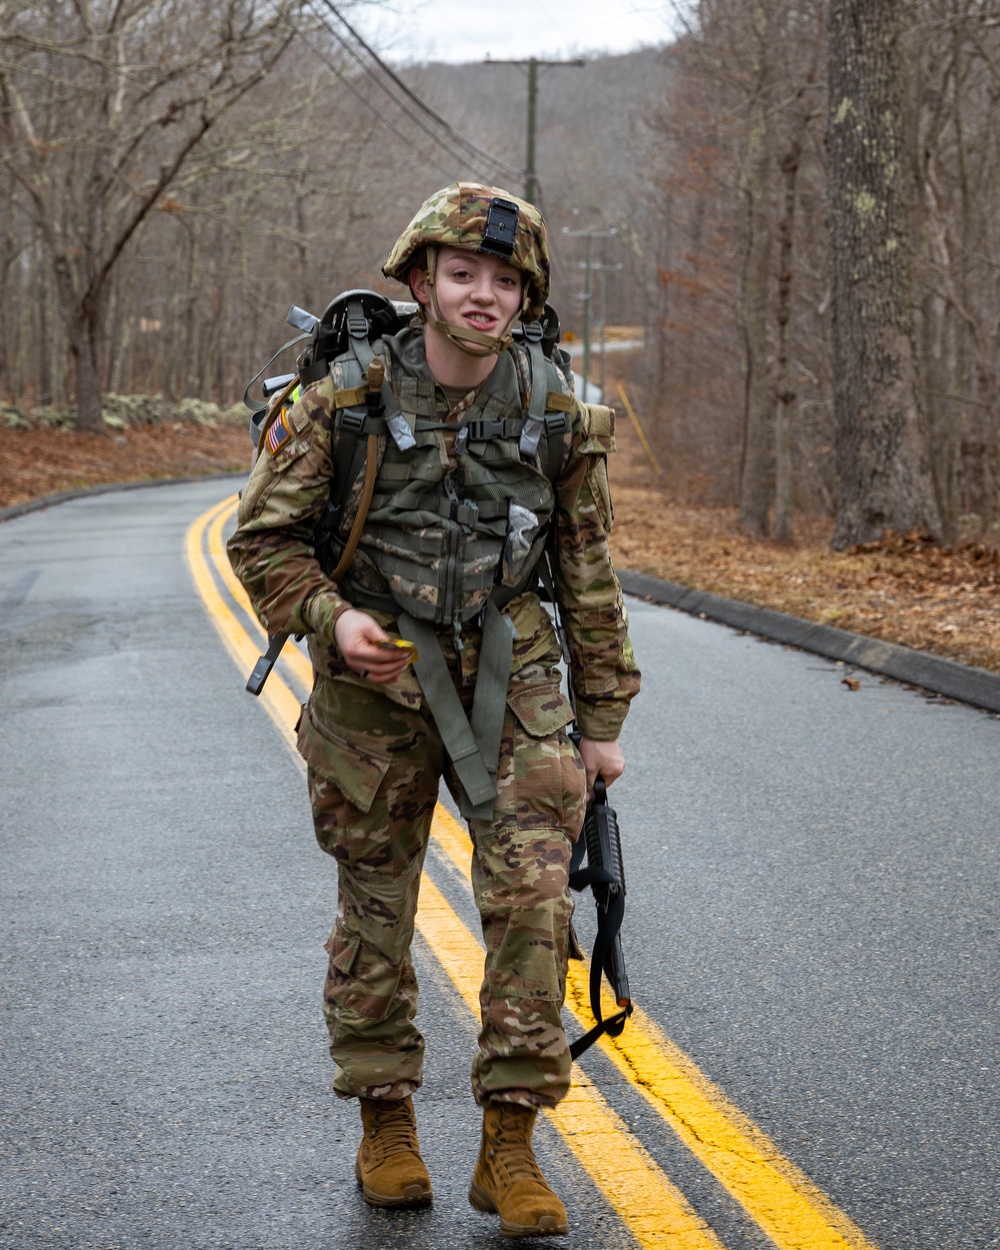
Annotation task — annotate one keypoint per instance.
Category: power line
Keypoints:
(461, 157)
(501, 165)
(353, 53)
(407, 139)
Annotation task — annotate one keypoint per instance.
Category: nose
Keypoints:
(482, 288)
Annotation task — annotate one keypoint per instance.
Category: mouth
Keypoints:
(481, 321)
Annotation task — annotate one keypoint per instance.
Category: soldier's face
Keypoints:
(479, 292)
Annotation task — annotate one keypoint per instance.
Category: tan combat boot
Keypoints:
(389, 1167)
(508, 1180)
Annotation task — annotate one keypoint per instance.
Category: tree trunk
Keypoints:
(783, 473)
(883, 475)
(88, 352)
(756, 468)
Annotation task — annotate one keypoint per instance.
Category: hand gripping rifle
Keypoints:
(601, 842)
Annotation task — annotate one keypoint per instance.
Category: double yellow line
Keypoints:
(784, 1203)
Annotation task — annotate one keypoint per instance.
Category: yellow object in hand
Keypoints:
(401, 644)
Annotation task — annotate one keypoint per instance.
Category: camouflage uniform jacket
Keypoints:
(272, 552)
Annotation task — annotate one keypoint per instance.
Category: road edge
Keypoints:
(975, 686)
(103, 488)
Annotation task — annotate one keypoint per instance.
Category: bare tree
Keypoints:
(801, 109)
(883, 473)
(103, 105)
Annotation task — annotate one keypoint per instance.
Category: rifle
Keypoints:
(605, 874)
(601, 842)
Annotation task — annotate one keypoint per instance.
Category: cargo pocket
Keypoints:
(549, 781)
(342, 947)
(540, 710)
(356, 771)
(370, 941)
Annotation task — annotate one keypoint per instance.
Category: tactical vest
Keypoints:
(461, 509)
(452, 533)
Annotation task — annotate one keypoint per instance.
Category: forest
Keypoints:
(792, 204)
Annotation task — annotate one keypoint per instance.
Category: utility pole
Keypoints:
(532, 64)
(602, 270)
(588, 266)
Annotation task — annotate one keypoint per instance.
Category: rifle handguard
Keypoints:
(604, 851)
(605, 874)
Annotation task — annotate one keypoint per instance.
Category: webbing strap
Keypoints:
(535, 421)
(473, 748)
(490, 702)
(357, 334)
(608, 924)
(396, 422)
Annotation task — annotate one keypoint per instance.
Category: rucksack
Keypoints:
(358, 314)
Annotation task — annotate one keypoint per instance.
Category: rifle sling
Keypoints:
(473, 744)
(608, 924)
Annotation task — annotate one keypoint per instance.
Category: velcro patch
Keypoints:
(599, 421)
(279, 433)
(349, 397)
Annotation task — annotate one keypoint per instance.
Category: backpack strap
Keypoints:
(374, 386)
(548, 416)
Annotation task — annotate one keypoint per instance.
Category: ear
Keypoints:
(417, 279)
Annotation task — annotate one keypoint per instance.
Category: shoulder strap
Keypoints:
(548, 416)
(376, 377)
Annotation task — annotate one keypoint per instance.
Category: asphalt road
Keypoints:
(812, 919)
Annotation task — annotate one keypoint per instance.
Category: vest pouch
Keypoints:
(522, 530)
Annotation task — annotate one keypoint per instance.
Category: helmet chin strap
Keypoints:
(472, 342)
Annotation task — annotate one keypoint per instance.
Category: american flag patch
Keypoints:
(279, 433)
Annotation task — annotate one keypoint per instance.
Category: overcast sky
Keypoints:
(467, 30)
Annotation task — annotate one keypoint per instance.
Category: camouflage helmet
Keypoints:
(479, 218)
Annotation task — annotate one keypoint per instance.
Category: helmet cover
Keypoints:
(478, 218)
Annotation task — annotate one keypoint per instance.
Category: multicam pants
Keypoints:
(373, 783)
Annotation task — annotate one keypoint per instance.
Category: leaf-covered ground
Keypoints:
(903, 590)
(37, 462)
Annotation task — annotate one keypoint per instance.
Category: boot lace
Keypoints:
(392, 1130)
(513, 1155)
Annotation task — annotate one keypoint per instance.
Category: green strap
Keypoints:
(534, 424)
(473, 748)
(490, 702)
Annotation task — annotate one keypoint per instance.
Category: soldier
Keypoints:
(472, 426)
